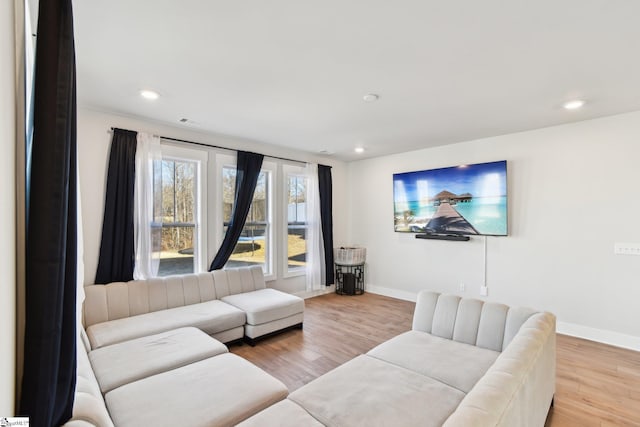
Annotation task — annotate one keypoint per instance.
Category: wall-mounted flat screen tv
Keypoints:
(459, 200)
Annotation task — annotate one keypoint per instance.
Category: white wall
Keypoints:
(573, 192)
(7, 212)
(94, 141)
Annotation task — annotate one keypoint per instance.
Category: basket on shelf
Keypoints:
(349, 255)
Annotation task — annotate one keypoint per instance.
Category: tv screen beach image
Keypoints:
(459, 200)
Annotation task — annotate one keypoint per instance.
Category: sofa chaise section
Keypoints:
(222, 321)
(465, 363)
(122, 311)
(226, 304)
(268, 310)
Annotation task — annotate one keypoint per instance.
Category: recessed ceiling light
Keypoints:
(149, 94)
(573, 105)
(371, 97)
(359, 150)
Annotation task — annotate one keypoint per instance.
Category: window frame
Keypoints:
(288, 171)
(200, 158)
(271, 169)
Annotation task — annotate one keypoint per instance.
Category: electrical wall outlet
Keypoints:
(484, 291)
(626, 249)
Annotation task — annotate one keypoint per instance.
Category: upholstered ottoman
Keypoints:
(268, 310)
(220, 391)
(129, 361)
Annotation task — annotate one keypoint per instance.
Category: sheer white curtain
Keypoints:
(315, 252)
(147, 228)
(80, 251)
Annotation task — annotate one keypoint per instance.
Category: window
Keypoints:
(276, 228)
(254, 243)
(295, 196)
(177, 195)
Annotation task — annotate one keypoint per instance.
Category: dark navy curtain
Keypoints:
(49, 379)
(326, 218)
(117, 253)
(247, 172)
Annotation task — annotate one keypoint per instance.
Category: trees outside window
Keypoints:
(178, 217)
(178, 192)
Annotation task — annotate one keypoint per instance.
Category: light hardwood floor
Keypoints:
(597, 385)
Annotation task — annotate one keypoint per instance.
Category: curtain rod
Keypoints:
(219, 146)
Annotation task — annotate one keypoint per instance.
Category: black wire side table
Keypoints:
(349, 279)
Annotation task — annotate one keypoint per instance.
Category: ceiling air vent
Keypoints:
(188, 122)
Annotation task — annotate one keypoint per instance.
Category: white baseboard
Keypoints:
(311, 294)
(393, 293)
(592, 334)
(599, 335)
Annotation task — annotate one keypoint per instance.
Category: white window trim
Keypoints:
(223, 160)
(200, 157)
(288, 170)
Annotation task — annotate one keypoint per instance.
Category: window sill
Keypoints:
(294, 273)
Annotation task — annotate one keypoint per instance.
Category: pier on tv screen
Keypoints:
(459, 200)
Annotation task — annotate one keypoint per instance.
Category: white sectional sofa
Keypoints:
(226, 304)
(149, 356)
(465, 363)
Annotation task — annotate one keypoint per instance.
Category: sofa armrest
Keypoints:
(89, 408)
(518, 389)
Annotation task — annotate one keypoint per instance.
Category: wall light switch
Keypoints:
(484, 291)
(626, 249)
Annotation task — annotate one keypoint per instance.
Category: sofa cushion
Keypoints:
(266, 305)
(238, 280)
(444, 317)
(129, 361)
(285, 413)
(370, 392)
(484, 324)
(219, 391)
(491, 326)
(456, 364)
(211, 317)
(125, 299)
